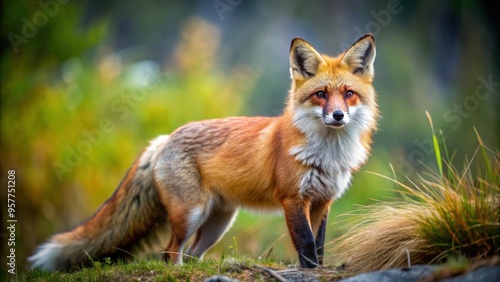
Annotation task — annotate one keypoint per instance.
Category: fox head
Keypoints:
(333, 93)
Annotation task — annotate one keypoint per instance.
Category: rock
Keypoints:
(220, 278)
(424, 272)
(295, 275)
(483, 274)
(415, 273)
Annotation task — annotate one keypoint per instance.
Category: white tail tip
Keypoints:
(46, 256)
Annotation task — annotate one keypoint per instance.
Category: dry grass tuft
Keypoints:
(383, 240)
(445, 214)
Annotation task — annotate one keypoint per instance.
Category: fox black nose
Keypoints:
(338, 115)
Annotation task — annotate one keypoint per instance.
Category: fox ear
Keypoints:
(304, 60)
(361, 55)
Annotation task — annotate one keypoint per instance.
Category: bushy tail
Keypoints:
(131, 222)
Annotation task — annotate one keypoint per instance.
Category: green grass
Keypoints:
(241, 268)
(152, 270)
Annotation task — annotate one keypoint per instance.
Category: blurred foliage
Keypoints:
(83, 94)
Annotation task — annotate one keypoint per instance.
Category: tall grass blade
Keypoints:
(483, 151)
(435, 142)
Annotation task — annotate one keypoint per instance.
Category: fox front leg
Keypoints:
(319, 219)
(297, 221)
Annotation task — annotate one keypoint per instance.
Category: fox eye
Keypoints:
(349, 94)
(321, 94)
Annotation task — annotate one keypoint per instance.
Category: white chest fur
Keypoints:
(331, 154)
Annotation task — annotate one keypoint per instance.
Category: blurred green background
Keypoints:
(86, 84)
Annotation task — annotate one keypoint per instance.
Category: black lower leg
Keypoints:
(320, 240)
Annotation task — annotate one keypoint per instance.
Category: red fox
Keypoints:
(192, 182)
